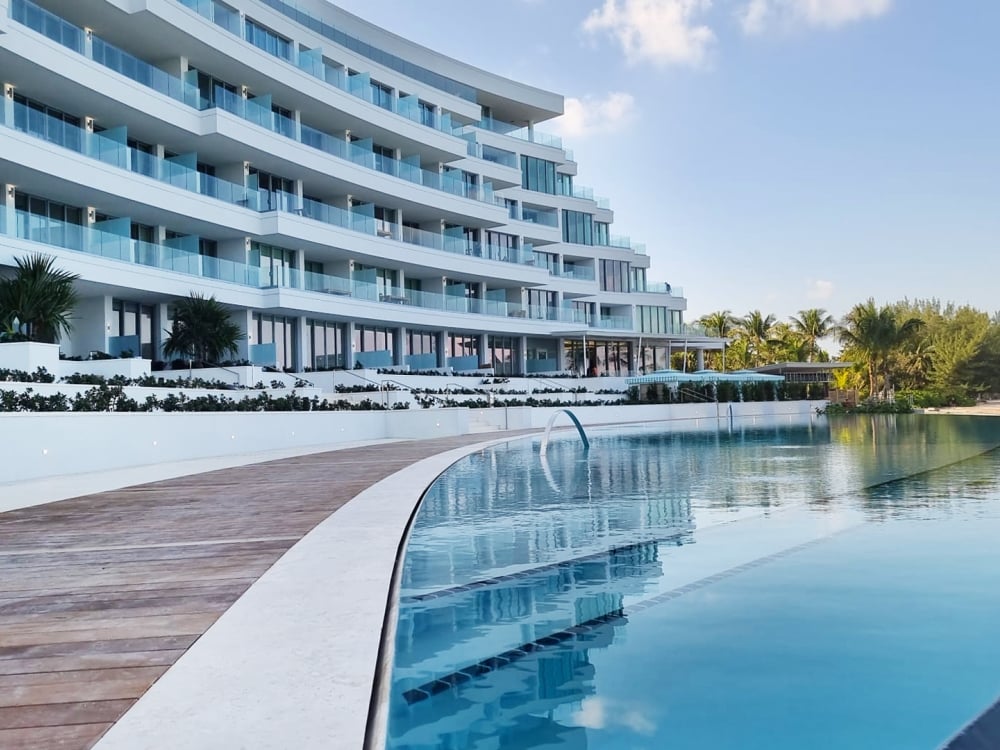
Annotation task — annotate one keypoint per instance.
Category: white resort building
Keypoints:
(354, 198)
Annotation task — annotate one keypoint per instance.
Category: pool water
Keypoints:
(820, 584)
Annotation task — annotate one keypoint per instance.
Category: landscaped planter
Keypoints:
(29, 356)
(133, 367)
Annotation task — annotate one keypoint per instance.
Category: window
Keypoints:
(275, 191)
(501, 246)
(280, 331)
(602, 233)
(578, 228)
(215, 90)
(142, 157)
(282, 121)
(615, 276)
(381, 95)
(638, 279)
(502, 352)
(462, 346)
(538, 175)
(421, 342)
(583, 312)
(549, 261)
(565, 184)
(326, 344)
(134, 319)
(47, 221)
(276, 264)
(42, 121)
(428, 116)
(542, 304)
(385, 158)
(374, 339)
(267, 40)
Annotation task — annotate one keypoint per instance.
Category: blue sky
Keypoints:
(772, 154)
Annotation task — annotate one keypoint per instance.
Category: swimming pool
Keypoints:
(822, 584)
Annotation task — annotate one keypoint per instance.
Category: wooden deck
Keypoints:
(100, 594)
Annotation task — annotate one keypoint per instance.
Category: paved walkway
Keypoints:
(101, 594)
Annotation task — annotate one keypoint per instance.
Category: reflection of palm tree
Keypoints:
(870, 334)
(40, 297)
(202, 330)
(812, 325)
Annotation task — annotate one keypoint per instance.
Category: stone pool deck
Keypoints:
(101, 594)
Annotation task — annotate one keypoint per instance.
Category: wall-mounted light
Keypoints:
(10, 191)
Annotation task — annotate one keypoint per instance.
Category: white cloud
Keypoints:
(819, 290)
(593, 115)
(664, 32)
(757, 16)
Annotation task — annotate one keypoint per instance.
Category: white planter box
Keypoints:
(29, 356)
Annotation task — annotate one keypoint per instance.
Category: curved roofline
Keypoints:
(510, 99)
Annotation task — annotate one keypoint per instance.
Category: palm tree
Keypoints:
(812, 325)
(871, 334)
(202, 330)
(40, 297)
(757, 328)
(720, 323)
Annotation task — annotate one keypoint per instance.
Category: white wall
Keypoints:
(35, 445)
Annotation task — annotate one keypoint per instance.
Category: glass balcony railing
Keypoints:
(73, 37)
(660, 288)
(580, 273)
(251, 110)
(116, 152)
(534, 216)
(411, 70)
(106, 244)
(515, 131)
(585, 193)
(311, 62)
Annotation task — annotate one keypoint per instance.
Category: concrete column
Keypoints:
(8, 103)
(299, 278)
(442, 349)
(88, 44)
(302, 358)
(522, 354)
(8, 219)
(349, 345)
(297, 117)
(244, 319)
(161, 329)
(483, 344)
(399, 355)
(699, 359)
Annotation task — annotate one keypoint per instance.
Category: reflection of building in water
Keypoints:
(516, 706)
(445, 631)
(498, 511)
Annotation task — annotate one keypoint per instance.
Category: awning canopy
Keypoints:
(704, 376)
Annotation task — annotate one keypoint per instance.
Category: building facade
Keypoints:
(353, 198)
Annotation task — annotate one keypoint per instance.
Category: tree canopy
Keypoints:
(937, 353)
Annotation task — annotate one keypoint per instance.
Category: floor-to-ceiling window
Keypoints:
(280, 331)
(326, 344)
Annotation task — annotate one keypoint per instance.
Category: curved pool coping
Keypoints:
(292, 664)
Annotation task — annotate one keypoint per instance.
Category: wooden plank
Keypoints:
(55, 664)
(63, 714)
(100, 594)
(52, 738)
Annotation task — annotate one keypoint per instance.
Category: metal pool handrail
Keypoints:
(548, 430)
